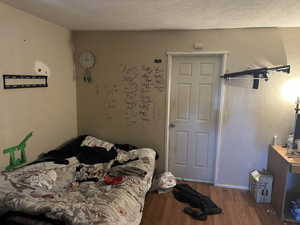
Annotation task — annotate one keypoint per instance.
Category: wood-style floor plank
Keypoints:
(239, 208)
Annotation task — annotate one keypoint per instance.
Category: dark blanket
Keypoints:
(18, 218)
(94, 155)
(125, 147)
(85, 154)
(73, 148)
(60, 154)
(67, 150)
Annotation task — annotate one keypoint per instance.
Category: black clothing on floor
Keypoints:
(184, 193)
(196, 214)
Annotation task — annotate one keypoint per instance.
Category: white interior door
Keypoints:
(193, 116)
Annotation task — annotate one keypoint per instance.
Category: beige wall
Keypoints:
(49, 112)
(251, 117)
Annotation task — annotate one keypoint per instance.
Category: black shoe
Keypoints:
(196, 214)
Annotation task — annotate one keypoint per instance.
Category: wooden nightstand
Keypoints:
(286, 184)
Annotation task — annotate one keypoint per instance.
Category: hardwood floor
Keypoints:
(239, 208)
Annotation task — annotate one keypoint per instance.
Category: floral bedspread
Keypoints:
(48, 189)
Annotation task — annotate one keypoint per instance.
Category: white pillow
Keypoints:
(95, 142)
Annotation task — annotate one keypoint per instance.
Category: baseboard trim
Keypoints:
(194, 180)
(217, 185)
(233, 186)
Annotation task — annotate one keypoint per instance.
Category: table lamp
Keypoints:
(291, 92)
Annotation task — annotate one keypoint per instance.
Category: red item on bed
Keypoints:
(113, 180)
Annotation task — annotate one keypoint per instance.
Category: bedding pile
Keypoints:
(78, 193)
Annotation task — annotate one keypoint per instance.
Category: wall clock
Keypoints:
(87, 60)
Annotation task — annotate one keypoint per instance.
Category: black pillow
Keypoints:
(126, 147)
(93, 155)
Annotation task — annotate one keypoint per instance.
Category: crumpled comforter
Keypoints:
(48, 189)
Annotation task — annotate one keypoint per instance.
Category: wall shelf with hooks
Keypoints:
(24, 81)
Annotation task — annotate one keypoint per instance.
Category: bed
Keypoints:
(45, 193)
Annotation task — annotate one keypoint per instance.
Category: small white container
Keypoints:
(260, 186)
(290, 141)
(298, 144)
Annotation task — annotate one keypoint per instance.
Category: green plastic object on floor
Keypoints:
(13, 162)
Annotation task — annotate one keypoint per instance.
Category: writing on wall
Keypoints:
(138, 87)
(110, 101)
(129, 79)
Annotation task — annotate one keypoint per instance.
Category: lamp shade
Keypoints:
(291, 90)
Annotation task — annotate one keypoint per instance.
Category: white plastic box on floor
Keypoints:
(260, 186)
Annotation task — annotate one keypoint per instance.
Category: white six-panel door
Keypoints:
(193, 116)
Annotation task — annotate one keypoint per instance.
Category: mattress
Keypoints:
(48, 189)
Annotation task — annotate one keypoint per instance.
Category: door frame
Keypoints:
(170, 56)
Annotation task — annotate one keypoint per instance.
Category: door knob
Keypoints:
(172, 125)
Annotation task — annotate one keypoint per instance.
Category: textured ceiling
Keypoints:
(163, 14)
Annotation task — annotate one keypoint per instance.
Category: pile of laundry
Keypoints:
(89, 150)
(200, 205)
(163, 183)
(86, 173)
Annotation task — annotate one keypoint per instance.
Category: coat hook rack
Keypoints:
(261, 73)
(21, 81)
